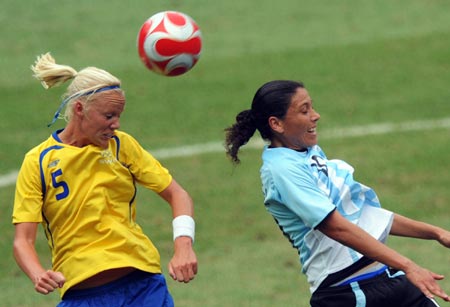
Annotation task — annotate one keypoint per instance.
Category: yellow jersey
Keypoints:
(85, 200)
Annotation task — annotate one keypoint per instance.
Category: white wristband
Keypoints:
(183, 226)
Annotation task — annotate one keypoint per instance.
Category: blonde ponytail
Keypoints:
(51, 74)
(85, 83)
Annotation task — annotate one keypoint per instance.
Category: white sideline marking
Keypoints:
(8, 179)
(352, 131)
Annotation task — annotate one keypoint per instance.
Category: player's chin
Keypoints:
(102, 143)
(311, 140)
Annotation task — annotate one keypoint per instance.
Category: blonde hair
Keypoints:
(85, 82)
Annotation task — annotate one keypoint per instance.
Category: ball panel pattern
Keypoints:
(170, 43)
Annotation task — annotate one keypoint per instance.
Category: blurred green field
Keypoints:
(364, 62)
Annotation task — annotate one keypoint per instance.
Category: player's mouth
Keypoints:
(312, 130)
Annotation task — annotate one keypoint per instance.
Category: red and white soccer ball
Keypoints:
(169, 43)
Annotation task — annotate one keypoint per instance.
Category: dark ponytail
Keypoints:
(239, 134)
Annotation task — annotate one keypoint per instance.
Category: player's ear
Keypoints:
(78, 108)
(276, 124)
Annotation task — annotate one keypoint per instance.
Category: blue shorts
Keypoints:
(137, 289)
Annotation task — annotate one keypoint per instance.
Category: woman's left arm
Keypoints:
(406, 227)
(183, 265)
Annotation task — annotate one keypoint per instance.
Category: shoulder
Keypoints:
(42, 148)
(282, 158)
(285, 164)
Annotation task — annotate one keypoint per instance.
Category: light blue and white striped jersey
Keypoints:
(301, 189)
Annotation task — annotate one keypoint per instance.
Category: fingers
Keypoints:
(48, 281)
(183, 265)
(426, 282)
(183, 273)
(437, 276)
(435, 289)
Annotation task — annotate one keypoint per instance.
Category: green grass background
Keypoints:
(363, 62)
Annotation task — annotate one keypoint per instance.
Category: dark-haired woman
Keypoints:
(336, 223)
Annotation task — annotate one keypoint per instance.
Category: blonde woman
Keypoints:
(80, 184)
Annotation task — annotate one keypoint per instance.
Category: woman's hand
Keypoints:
(341, 230)
(426, 281)
(444, 238)
(183, 266)
(48, 281)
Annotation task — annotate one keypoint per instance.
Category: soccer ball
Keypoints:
(169, 43)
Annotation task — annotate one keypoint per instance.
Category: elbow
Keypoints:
(337, 227)
(330, 225)
(334, 232)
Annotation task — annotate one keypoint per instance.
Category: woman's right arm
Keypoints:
(45, 281)
(338, 228)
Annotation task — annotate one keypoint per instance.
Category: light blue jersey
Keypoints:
(301, 189)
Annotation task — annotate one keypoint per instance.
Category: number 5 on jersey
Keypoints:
(60, 184)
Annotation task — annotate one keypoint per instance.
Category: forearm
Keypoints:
(338, 228)
(403, 226)
(182, 205)
(28, 260)
(349, 234)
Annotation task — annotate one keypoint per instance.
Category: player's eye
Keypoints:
(304, 110)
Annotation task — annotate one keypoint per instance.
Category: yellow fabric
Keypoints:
(85, 200)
